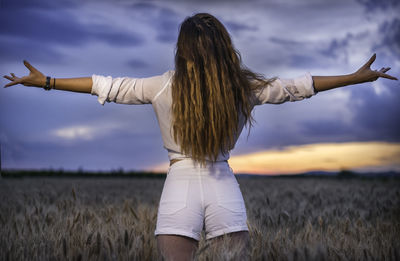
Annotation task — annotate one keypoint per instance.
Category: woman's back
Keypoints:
(157, 90)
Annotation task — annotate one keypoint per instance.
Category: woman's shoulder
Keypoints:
(155, 85)
(160, 79)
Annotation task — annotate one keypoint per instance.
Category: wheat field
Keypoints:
(114, 219)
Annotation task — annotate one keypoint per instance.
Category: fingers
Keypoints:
(10, 84)
(29, 66)
(371, 60)
(12, 77)
(8, 77)
(384, 75)
(383, 70)
(14, 80)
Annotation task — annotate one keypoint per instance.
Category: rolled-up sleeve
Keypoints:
(126, 90)
(282, 90)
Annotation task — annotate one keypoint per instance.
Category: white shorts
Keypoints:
(195, 198)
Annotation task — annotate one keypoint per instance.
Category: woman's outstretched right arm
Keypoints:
(38, 79)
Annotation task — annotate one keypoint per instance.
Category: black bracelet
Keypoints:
(47, 86)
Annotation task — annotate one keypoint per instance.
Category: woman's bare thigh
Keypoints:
(175, 247)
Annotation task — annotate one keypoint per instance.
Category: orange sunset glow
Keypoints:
(358, 156)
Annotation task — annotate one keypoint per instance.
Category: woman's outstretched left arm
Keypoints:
(364, 74)
(38, 79)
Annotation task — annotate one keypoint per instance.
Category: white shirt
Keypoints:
(156, 90)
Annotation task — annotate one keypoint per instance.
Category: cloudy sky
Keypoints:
(355, 127)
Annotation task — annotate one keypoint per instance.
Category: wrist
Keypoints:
(42, 82)
(354, 78)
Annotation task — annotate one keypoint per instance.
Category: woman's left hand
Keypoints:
(365, 74)
(35, 77)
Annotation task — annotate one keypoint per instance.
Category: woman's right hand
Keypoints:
(365, 74)
(35, 77)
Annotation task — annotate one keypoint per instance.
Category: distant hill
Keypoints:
(80, 174)
(331, 174)
(143, 174)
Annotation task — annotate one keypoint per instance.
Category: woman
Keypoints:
(201, 109)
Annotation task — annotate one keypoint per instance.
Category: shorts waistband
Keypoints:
(190, 163)
(173, 161)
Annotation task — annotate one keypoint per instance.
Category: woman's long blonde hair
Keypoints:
(210, 89)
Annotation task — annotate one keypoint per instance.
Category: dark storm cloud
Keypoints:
(164, 20)
(270, 137)
(143, 7)
(390, 31)
(237, 27)
(285, 42)
(302, 60)
(61, 27)
(14, 49)
(338, 46)
(378, 115)
(375, 117)
(55, 111)
(122, 152)
(167, 25)
(136, 63)
(11, 4)
(107, 35)
(388, 38)
(314, 50)
(307, 58)
(42, 26)
(333, 130)
(373, 5)
(105, 149)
